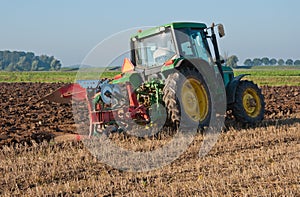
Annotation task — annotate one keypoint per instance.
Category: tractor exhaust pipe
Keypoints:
(215, 44)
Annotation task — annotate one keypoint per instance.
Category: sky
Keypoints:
(69, 30)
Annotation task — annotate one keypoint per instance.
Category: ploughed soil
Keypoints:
(24, 118)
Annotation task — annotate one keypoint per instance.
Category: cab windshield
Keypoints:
(192, 43)
(154, 50)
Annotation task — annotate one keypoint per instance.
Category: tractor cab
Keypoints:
(165, 45)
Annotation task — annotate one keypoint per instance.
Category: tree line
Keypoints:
(265, 61)
(27, 61)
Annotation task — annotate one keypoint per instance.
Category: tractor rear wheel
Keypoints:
(187, 99)
(249, 103)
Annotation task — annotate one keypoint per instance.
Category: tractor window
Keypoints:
(199, 44)
(154, 50)
(184, 43)
(187, 49)
(191, 43)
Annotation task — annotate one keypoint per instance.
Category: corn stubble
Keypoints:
(260, 161)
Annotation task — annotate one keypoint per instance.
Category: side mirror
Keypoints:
(221, 30)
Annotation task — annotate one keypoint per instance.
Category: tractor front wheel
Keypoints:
(249, 103)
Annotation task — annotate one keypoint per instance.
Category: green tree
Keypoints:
(24, 64)
(232, 61)
(289, 62)
(297, 62)
(35, 65)
(1, 65)
(30, 55)
(265, 61)
(14, 57)
(26, 61)
(5, 59)
(273, 61)
(257, 62)
(280, 62)
(43, 63)
(10, 67)
(55, 65)
(248, 62)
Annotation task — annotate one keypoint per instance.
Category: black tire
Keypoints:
(249, 106)
(179, 113)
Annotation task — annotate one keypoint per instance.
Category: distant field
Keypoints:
(276, 67)
(272, 75)
(263, 75)
(51, 77)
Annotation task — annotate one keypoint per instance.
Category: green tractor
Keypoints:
(166, 75)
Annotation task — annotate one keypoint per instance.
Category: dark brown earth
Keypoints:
(24, 118)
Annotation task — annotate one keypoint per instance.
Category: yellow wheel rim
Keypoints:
(251, 102)
(195, 99)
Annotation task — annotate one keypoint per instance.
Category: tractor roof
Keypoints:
(174, 25)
